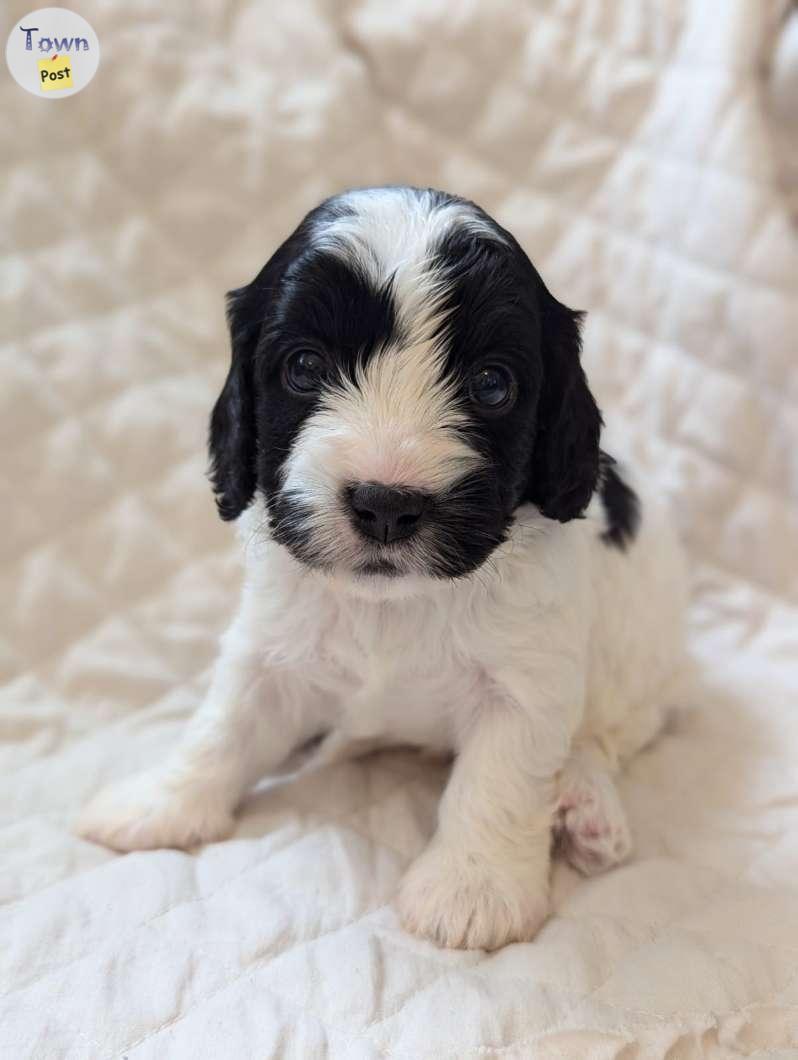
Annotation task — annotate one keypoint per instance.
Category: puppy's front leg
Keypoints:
(484, 879)
(251, 720)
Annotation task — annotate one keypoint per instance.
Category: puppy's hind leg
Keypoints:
(590, 826)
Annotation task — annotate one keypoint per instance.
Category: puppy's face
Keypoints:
(401, 382)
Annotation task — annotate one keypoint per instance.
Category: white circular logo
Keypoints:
(52, 52)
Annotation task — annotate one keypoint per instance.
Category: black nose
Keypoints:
(386, 513)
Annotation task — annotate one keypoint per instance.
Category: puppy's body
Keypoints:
(467, 608)
(388, 662)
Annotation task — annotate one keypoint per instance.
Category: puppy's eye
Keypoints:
(304, 371)
(492, 388)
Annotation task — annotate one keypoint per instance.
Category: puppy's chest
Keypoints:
(397, 678)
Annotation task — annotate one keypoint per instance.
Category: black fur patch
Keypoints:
(542, 450)
(546, 449)
(302, 297)
(621, 506)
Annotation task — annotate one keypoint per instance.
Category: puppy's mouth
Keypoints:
(376, 536)
(379, 568)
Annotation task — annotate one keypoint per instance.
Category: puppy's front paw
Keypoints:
(150, 810)
(464, 902)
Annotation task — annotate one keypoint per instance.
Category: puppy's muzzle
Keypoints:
(386, 514)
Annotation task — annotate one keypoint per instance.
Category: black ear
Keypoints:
(565, 461)
(232, 439)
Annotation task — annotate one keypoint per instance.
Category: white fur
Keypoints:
(396, 424)
(553, 665)
(391, 233)
(543, 671)
(590, 824)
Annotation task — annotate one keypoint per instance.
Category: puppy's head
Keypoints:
(401, 382)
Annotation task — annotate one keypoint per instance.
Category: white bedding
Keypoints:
(626, 145)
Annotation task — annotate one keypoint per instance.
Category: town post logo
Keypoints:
(52, 52)
(55, 74)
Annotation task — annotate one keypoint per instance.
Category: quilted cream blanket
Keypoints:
(627, 144)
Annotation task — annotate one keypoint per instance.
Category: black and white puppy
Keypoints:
(437, 553)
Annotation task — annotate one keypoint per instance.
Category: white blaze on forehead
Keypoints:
(393, 235)
(397, 421)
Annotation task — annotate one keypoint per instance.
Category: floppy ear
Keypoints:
(565, 461)
(232, 439)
